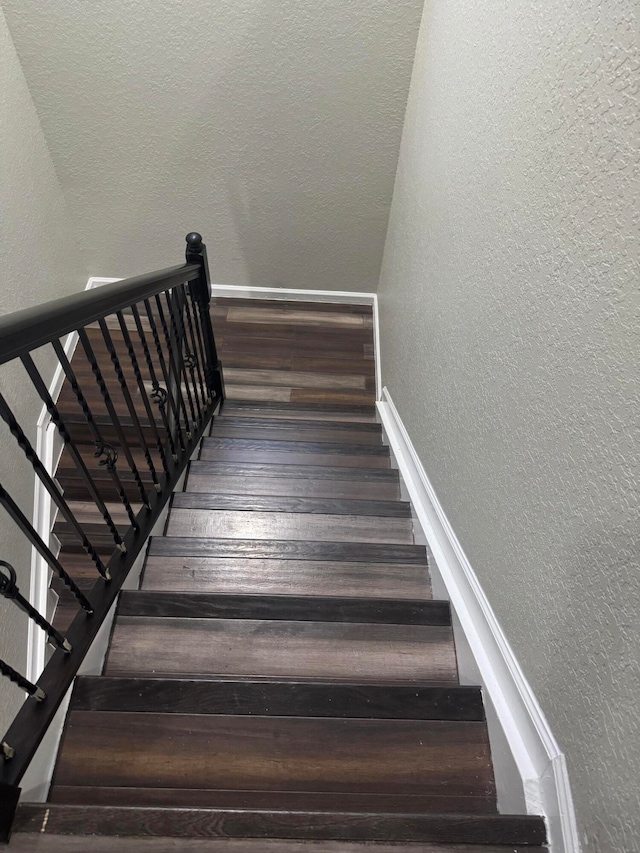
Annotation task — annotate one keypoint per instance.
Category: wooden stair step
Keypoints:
(282, 649)
(251, 452)
(241, 484)
(291, 526)
(306, 471)
(260, 445)
(219, 429)
(234, 421)
(290, 577)
(274, 503)
(278, 698)
(185, 546)
(292, 411)
(295, 800)
(195, 605)
(506, 830)
(323, 755)
(36, 843)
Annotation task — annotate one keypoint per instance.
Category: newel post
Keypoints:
(201, 288)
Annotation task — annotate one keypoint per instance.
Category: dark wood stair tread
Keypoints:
(301, 650)
(273, 456)
(247, 525)
(283, 607)
(230, 421)
(275, 753)
(316, 435)
(265, 503)
(179, 546)
(295, 800)
(302, 471)
(278, 698)
(289, 577)
(294, 446)
(184, 823)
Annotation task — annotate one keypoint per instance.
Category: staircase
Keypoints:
(283, 679)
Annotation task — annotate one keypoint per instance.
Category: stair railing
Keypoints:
(148, 358)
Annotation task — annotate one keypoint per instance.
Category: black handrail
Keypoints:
(157, 329)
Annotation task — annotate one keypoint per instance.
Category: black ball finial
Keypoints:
(194, 242)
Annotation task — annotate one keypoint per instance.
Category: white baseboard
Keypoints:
(241, 291)
(538, 759)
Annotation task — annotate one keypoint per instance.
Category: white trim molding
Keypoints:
(540, 763)
(49, 448)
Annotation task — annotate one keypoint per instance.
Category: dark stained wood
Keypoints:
(249, 444)
(173, 696)
(204, 823)
(275, 457)
(294, 378)
(345, 427)
(344, 651)
(289, 525)
(312, 608)
(241, 752)
(271, 433)
(261, 503)
(286, 577)
(39, 843)
(179, 546)
(295, 800)
(290, 487)
(304, 471)
(294, 305)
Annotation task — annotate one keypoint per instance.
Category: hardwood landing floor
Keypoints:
(283, 680)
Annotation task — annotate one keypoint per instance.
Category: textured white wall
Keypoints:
(271, 127)
(510, 308)
(39, 260)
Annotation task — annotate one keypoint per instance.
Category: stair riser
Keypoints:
(282, 649)
(286, 577)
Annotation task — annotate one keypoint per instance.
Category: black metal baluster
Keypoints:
(102, 449)
(158, 394)
(9, 589)
(32, 689)
(188, 356)
(69, 443)
(124, 445)
(178, 401)
(115, 361)
(143, 391)
(177, 341)
(16, 430)
(27, 528)
(195, 351)
(192, 307)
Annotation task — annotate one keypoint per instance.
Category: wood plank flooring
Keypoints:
(283, 679)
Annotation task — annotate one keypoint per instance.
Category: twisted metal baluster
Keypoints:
(86, 345)
(178, 339)
(201, 386)
(32, 689)
(9, 589)
(16, 430)
(69, 443)
(193, 308)
(102, 448)
(173, 403)
(115, 361)
(178, 403)
(158, 394)
(27, 528)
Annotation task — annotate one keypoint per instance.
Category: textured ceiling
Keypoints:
(271, 127)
